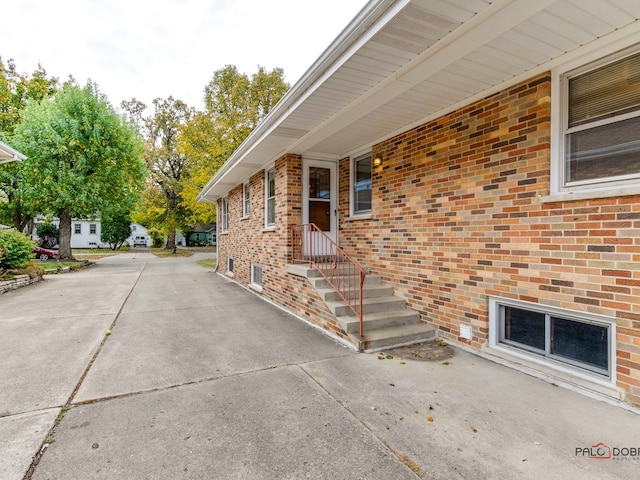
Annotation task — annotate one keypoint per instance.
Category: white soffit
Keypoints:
(410, 60)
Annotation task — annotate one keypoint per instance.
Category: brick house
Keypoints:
(481, 161)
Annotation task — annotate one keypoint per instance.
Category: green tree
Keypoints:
(115, 229)
(16, 90)
(234, 105)
(166, 163)
(83, 158)
(185, 147)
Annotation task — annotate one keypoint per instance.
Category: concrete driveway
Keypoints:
(201, 379)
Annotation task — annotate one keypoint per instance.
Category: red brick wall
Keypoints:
(456, 216)
(248, 242)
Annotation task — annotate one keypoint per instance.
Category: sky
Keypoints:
(159, 48)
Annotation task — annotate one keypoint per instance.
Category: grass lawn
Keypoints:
(166, 252)
(181, 251)
(95, 253)
(56, 266)
(208, 263)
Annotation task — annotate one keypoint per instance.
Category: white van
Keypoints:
(140, 241)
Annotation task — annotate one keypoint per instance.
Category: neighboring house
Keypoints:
(8, 154)
(86, 233)
(203, 235)
(483, 160)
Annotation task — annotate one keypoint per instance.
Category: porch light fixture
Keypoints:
(377, 161)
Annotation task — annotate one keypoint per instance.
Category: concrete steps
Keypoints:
(387, 322)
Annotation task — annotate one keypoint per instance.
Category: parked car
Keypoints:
(140, 241)
(45, 253)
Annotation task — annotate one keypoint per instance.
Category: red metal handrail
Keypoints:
(313, 246)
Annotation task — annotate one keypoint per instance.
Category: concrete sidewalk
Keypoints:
(201, 379)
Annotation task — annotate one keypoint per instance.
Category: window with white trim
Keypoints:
(93, 229)
(245, 199)
(270, 198)
(224, 215)
(77, 228)
(361, 185)
(600, 121)
(576, 339)
(256, 275)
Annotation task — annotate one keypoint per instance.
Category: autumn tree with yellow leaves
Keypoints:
(185, 147)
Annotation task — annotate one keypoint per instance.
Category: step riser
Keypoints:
(398, 340)
(332, 296)
(320, 282)
(392, 320)
(341, 310)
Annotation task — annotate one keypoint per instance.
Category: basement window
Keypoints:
(256, 276)
(230, 266)
(575, 339)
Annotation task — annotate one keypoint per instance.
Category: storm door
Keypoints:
(320, 202)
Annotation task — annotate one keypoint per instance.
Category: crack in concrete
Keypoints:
(69, 403)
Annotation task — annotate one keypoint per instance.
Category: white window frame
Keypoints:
(256, 276)
(352, 180)
(267, 173)
(553, 362)
(77, 229)
(560, 190)
(224, 214)
(93, 229)
(230, 266)
(246, 200)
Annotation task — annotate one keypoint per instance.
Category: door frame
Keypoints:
(333, 168)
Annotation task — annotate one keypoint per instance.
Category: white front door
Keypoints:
(319, 199)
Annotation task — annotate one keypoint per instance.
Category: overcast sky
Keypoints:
(156, 48)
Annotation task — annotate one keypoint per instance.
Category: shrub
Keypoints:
(49, 235)
(17, 249)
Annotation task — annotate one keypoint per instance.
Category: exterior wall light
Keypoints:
(377, 161)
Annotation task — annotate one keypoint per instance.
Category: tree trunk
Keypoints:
(65, 236)
(171, 239)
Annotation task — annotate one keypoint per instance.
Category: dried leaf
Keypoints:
(429, 419)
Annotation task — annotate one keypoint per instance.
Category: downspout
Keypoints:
(215, 270)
